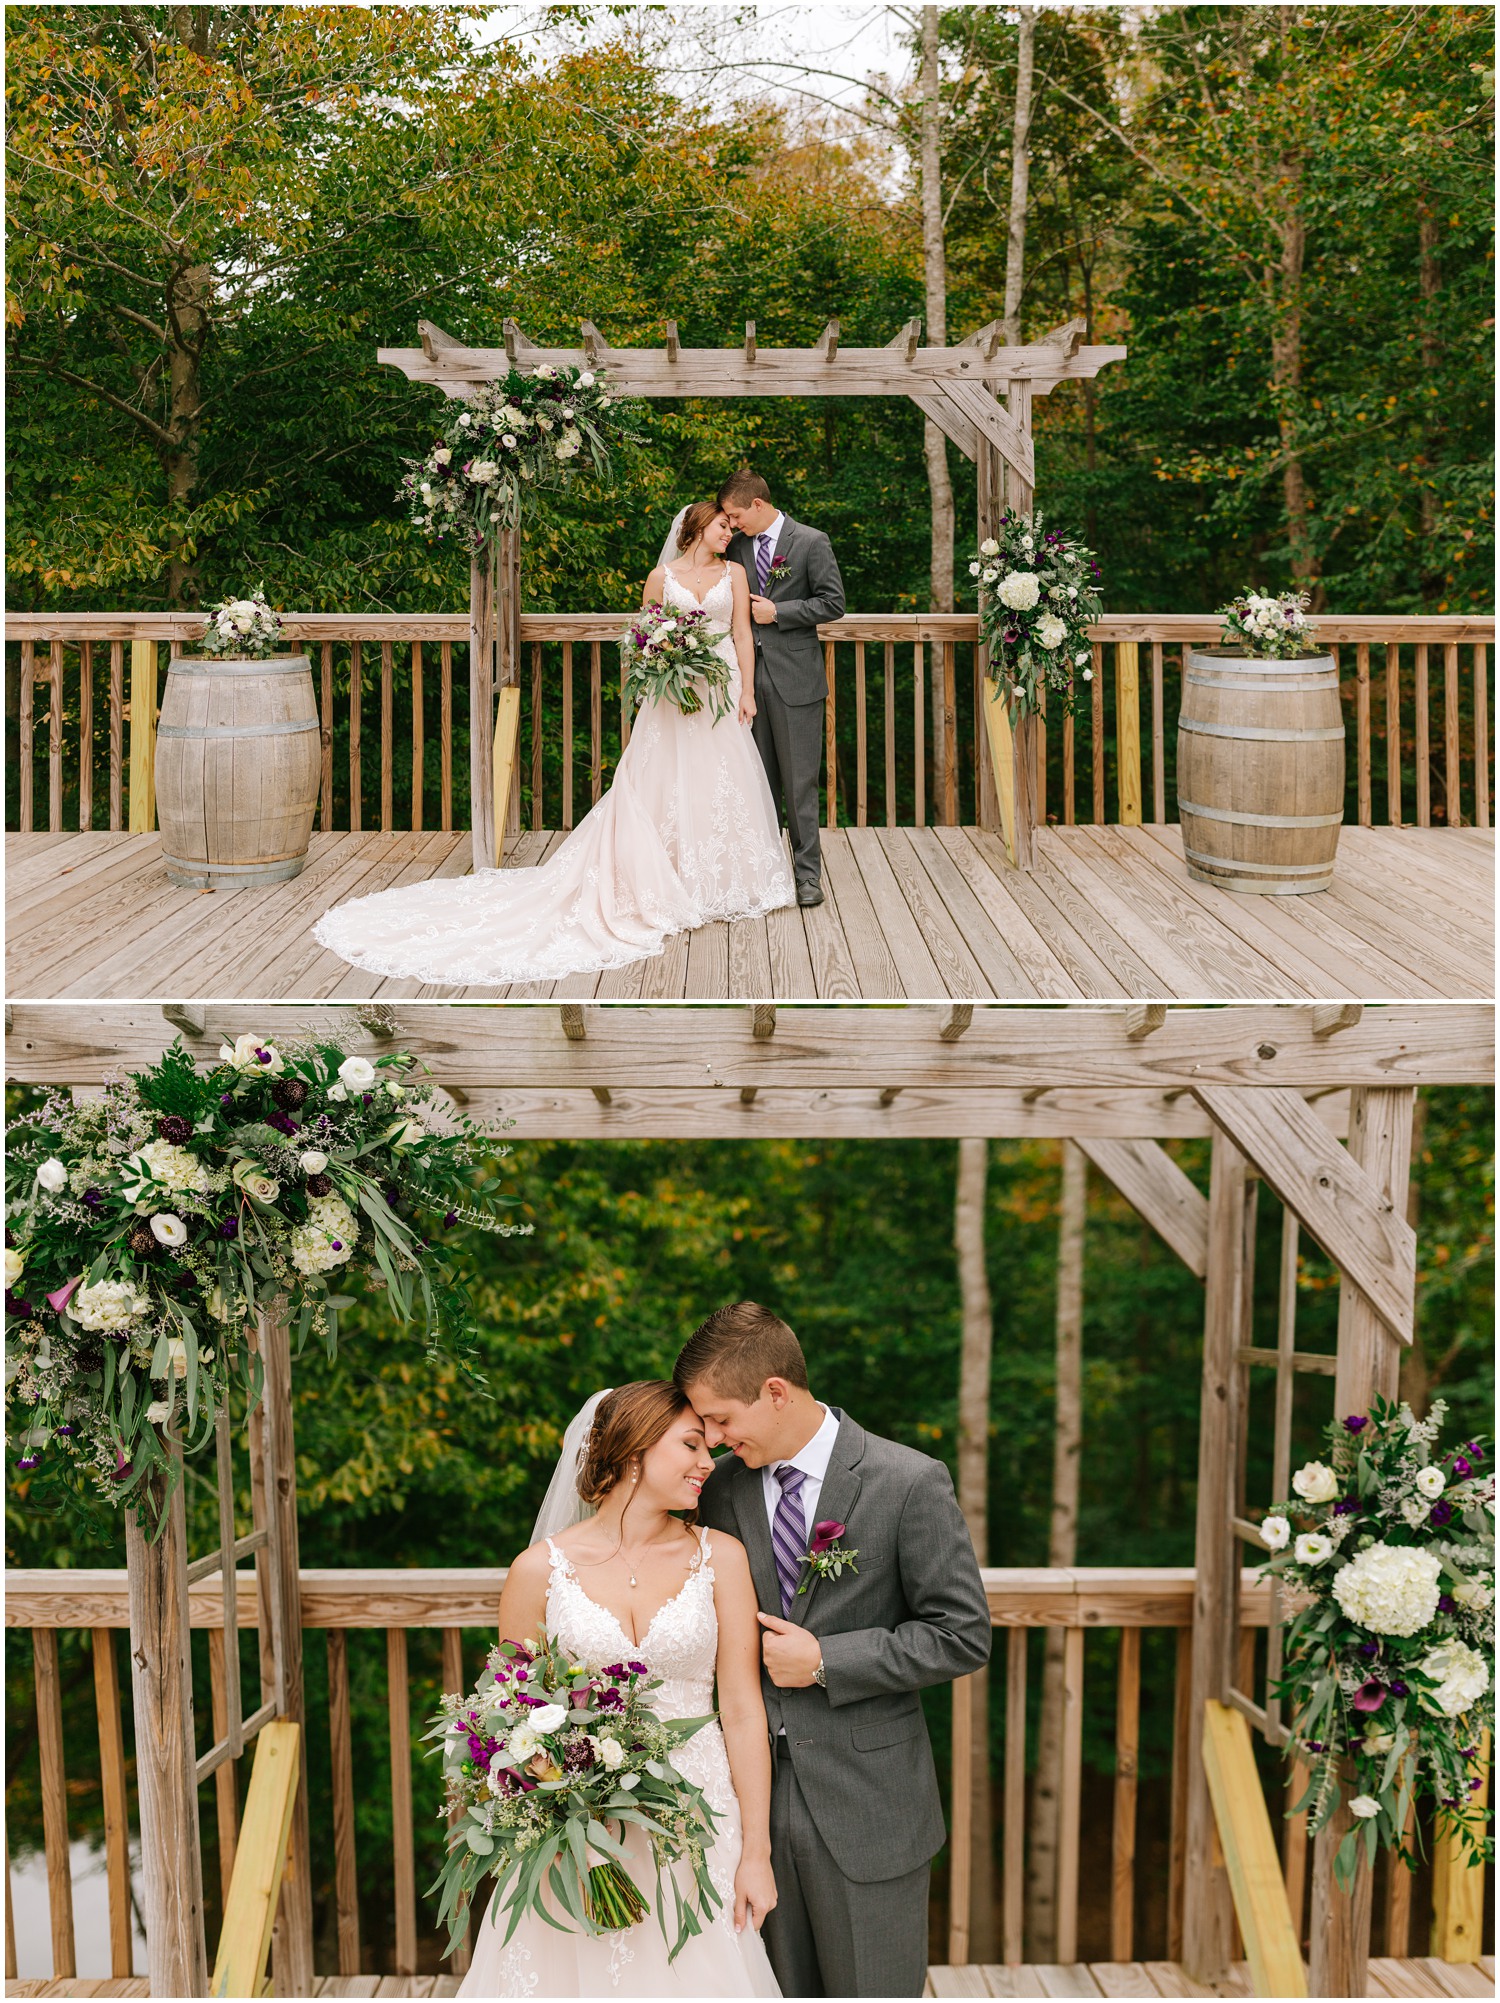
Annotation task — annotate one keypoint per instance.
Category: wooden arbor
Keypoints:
(1275, 1088)
(979, 394)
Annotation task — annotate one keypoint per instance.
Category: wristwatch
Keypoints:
(820, 1674)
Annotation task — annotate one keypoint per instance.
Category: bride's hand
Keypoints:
(754, 1893)
(747, 707)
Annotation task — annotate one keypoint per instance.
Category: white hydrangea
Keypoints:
(1461, 1673)
(1051, 630)
(164, 1165)
(327, 1239)
(1019, 590)
(108, 1305)
(1390, 1589)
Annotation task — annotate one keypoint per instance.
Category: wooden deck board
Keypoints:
(920, 914)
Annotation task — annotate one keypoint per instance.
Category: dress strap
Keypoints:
(560, 1560)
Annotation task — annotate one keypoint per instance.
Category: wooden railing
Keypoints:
(394, 702)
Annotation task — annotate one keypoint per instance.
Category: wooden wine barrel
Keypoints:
(237, 764)
(1260, 771)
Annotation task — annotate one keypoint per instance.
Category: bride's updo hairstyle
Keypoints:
(628, 1423)
(694, 521)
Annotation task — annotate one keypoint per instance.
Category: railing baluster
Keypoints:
(1039, 763)
(226, 1792)
(116, 1804)
(919, 679)
(567, 735)
(961, 1816)
(55, 738)
(596, 724)
(1481, 736)
(1128, 730)
(537, 821)
(116, 735)
(1453, 812)
(26, 729)
(387, 732)
(86, 734)
(1393, 733)
(624, 711)
(861, 763)
(1424, 755)
(1013, 1856)
(1158, 745)
(345, 1874)
(950, 740)
(325, 739)
(1294, 1850)
(1096, 718)
(355, 678)
(399, 1698)
(1069, 1817)
(831, 746)
(1182, 1754)
(445, 731)
(890, 733)
(453, 1679)
(1127, 1767)
(418, 744)
(54, 1799)
(10, 1918)
(1362, 727)
(1069, 754)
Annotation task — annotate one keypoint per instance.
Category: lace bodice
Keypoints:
(681, 1644)
(718, 600)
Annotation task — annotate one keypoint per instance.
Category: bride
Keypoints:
(615, 1573)
(686, 833)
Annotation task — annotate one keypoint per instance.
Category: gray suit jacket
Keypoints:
(789, 653)
(913, 1615)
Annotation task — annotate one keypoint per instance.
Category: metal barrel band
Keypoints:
(202, 866)
(1261, 820)
(222, 730)
(1241, 682)
(1250, 733)
(294, 664)
(1232, 863)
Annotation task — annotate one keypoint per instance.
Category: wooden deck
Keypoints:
(918, 913)
(1419, 1977)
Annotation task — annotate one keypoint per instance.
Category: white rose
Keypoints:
(1080, 657)
(1051, 630)
(482, 471)
(1472, 1593)
(544, 424)
(547, 1718)
(989, 547)
(974, 570)
(312, 1162)
(158, 1412)
(252, 1178)
(1275, 1533)
(1461, 1673)
(1431, 1481)
(357, 1073)
(1377, 1743)
(586, 379)
(545, 372)
(1414, 1512)
(1315, 1482)
(15, 1266)
(1364, 1806)
(1312, 1548)
(1390, 1589)
(177, 1359)
(252, 1054)
(167, 1228)
(464, 418)
(609, 1752)
(1088, 674)
(52, 1175)
(1019, 590)
(443, 454)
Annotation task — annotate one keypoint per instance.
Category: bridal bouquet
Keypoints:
(145, 1227)
(1040, 591)
(546, 1764)
(1391, 1545)
(666, 653)
(1268, 629)
(525, 430)
(244, 629)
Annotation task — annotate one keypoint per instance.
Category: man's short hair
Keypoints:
(742, 489)
(737, 1349)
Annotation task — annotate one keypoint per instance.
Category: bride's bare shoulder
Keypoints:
(728, 1553)
(655, 585)
(531, 1564)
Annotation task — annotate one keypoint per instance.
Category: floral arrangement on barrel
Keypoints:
(548, 1761)
(1268, 629)
(1388, 1664)
(523, 431)
(1040, 590)
(670, 656)
(246, 629)
(145, 1227)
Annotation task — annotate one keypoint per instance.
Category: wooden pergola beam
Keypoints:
(1159, 1192)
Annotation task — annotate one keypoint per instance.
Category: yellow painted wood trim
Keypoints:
(1458, 1885)
(1244, 1831)
(142, 736)
(259, 1863)
(1003, 759)
(1128, 729)
(507, 736)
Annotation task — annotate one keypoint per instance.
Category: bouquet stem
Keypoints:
(611, 1900)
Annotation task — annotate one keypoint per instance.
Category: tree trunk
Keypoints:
(973, 1500)
(187, 325)
(934, 444)
(1020, 175)
(1285, 285)
(1429, 278)
(1062, 1550)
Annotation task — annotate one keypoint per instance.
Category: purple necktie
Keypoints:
(789, 1533)
(763, 562)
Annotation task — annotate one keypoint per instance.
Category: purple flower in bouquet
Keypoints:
(174, 1128)
(1355, 1423)
(282, 1122)
(1369, 1696)
(1369, 1648)
(92, 1199)
(1462, 1468)
(1440, 1513)
(450, 1219)
(1446, 1603)
(27, 1462)
(1400, 1690)
(230, 1228)
(638, 1668)
(1346, 1507)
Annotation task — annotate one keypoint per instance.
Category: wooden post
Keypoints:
(1368, 1366)
(508, 663)
(1208, 1912)
(1128, 730)
(1458, 1882)
(988, 466)
(273, 1489)
(162, 1691)
(142, 736)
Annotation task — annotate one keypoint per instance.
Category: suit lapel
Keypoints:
(836, 1500)
(783, 548)
(749, 1499)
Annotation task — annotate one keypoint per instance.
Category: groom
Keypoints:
(855, 1814)
(794, 588)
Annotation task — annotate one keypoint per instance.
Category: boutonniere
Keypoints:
(826, 1556)
(781, 569)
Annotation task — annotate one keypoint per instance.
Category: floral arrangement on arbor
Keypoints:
(547, 1761)
(244, 629)
(1388, 1663)
(145, 1227)
(1268, 629)
(1040, 591)
(666, 654)
(522, 431)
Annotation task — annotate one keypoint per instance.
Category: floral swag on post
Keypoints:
(522, 431)
(147, 1226)
(1391, 1548)
(1040, 592)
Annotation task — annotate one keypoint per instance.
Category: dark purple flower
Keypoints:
(337, 1244)
(230, 1228)
(15, 1306)
(825, 1535)
(1461, 1467)
(124, 1469)
(1477, 1781)
(638, 1669)
(1355, 1423)
(1440, 1513)
(92, 1198)
(1347, 1507)
(1316, 1746)
(174, 1128)
(450, 1220)
(1446, 1603)
(282, 1122)
(578, 1757)
(27, 1462)
(1369, 1648)
(1399, 1690)
(1473, 1449)
(66, 1432)
(392, 1194)
(319, 1185)
(226, 1098)
(1369, 1696)
(263, 1055)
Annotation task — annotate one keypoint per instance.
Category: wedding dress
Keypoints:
(681, 1647)
(686, 833)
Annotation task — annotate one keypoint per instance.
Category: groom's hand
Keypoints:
(791, 1653)
(762, 610)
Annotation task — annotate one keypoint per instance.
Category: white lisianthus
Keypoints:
(158, 1412)
(1364, 1806)
(989, 547)
(252, 1054)
(605, 402)
(1275, 1533)
(1390, 1589)
(357, 1072)
(1315, 1482)
(1461, 1674)
(508, 440)
(1080, 658)
(108, 1304)
(1051, 630)
(974, 569)
(464, 418)
(312, 1161)
(15, 1266)
(545, 372)
(339, 1091)
(52, 1175)
(1312, 1548)
(1088, 674)
(406, 1133)
(990, 573)
(586, 379)
(1472, 1594)
(396, 1091)
(1019, 590)
(548, 1717)
(1431, 1481)
(167, 1228)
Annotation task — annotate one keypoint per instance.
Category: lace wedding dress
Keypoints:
(686, 833)
(680, 1646)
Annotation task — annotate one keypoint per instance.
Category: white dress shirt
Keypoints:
(812, 1460)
